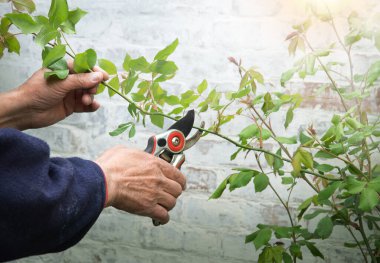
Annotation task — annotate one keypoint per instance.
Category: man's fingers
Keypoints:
(160, 214)
(172, 173)
(172, 187)
(87, 99)
(166, 200)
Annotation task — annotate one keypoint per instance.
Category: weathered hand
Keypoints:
(140, 183)
(39, 102)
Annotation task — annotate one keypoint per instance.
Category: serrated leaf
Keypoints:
(120, 129)
(289, 117)
(240, 179)
(268, 103)
(262, 238)
(157, 120)
(314, 250)
(84, 62)
(167, 51)
(249, 132)
(375, 184)
(324, 228)
(287, 140)
(108, 66)
(324, 155)
(74, 17)
(326, 193)
(24, 5)
(261, 182)
(46, 34)
(24, 22)
(12, 44)
(138, 64)
(53, 55)
(219, 191)
(202, 87)
(128, 84)
(287, 180)
(59, 73)
(325, 168)
(354, 186)
(115, 84)
(369, 198)
(163, 67)
(58, 12)
(132, 131)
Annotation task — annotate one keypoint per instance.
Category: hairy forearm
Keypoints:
(13, 110)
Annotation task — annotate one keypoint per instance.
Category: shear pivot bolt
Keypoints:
(175, 141)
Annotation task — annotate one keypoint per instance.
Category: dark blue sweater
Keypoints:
(46, 204)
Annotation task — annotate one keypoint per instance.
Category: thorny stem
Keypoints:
(366, 242)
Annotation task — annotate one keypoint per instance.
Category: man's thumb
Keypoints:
(83, 80)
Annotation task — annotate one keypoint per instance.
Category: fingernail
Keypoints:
(96, 77)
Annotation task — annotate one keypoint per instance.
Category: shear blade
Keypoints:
(185, 124)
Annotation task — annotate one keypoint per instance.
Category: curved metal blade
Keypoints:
(194, 139)
(184, 124)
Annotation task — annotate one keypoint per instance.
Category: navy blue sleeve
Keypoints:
(46, 204)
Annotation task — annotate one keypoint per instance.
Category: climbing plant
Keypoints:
(340, 164)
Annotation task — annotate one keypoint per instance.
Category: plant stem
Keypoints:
(366, 242)
(358, 243)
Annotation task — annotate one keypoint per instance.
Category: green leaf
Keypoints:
(13, 44)
(249, 132)
(84, 62)
(302, 157)
(132, 131)
(324, 155)
(324, 227)
(46, 34)
(120, 129)
(24, 22)
(24, 5)
(115, 84)
(314, 250)
(369, 198)
(59, 73)
(167, 51)
(172, 100)
(287, 180)
(219, 191)
(108, 66)
(74, 17)
(202, 87)
(128, 84)
(58, 12)
(289, 117)
(295, 250)
(324, 168)
(53, 55)
(268, 103)
(262, 238)
(306, 203)
(354, 186)
(138, 64)
(240, 179)
(315, 214)
(163, 67)
(287, 140)
(351, 39)
(261, 182)
(375, 184)
(5, 23)
(157, 120)
(286, 76)
(127, 60)
(326, 193)
(373, 73)
(286, 258)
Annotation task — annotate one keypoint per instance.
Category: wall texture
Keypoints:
(209, 31)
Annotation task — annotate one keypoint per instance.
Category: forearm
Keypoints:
(13, 110)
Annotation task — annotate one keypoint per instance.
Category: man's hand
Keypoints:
(141, 183)
(40, 102)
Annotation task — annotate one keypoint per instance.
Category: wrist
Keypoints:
(107, 186)
(14, 113)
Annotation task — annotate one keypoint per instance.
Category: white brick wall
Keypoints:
(209, 31)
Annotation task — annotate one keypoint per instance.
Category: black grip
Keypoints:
(151, 145)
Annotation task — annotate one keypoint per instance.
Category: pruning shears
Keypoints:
(171, 144)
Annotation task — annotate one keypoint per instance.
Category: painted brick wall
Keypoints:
(209, 31)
